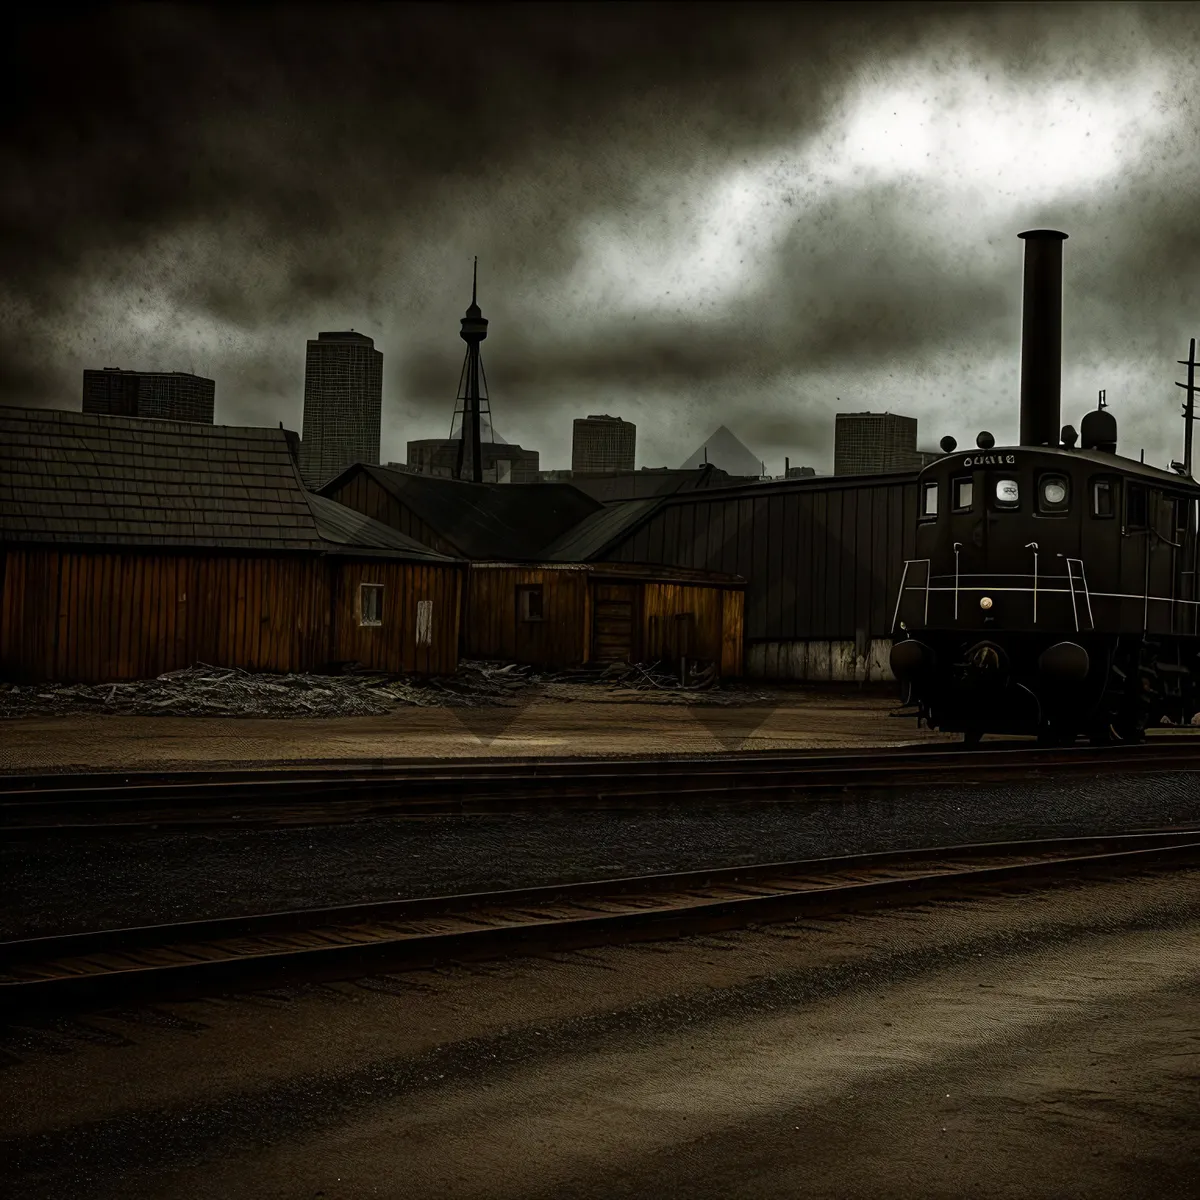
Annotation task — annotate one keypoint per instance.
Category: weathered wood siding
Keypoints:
(733, 638)
(90, 617)
(364, 495)
(492, 630)
(663, 606)
(592, 612)
(406, 640)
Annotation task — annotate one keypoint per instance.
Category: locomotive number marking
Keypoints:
(989, 460)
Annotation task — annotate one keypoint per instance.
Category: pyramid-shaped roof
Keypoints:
(724, 450)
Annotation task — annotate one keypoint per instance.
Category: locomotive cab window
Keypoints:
(1054, 495)
(1007, 494)
(1136, 507)
(1183, 514)
(1104, 498)
(929, 501)
(964, 490)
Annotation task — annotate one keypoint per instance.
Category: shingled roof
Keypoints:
(510, 521)
(98, 480)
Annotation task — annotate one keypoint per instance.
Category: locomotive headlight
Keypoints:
(985, 603)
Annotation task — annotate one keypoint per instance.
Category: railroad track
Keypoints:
(242, 953)
(350, 791)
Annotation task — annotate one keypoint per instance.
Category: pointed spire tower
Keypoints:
(473, 409)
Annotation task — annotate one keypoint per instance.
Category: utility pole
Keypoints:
(1189, 406)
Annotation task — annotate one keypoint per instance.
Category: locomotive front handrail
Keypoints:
(909, 562)
(1034, 547)
(1086, 593)
(957, 548)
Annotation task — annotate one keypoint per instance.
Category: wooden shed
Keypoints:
(133, 547)
(562, 615)
(531, 595)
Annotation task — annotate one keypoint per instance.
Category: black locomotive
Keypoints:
(1053, 588)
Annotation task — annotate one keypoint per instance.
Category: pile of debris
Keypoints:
(215, 691)
(701, 684)
(206, 691)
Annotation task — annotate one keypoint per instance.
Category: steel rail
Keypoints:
(42, 804)
(242, 953)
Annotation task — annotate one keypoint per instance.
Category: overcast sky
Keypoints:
(684, 215)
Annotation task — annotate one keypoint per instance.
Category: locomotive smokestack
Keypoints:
(1041, 338)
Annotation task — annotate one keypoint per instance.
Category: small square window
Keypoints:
(929, 500)
(370, 604)
(529, 603)
(964, 493)
(1103, 502)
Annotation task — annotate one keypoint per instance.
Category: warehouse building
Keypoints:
(531, 595)
(130, 547)
(821, 557)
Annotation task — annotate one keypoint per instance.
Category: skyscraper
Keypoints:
(158, 395)
(603, 444)
(874, 443)
(343, 396)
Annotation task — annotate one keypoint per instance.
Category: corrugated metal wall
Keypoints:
(821, 560)
(91, 617)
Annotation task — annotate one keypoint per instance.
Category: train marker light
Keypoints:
(985, 603)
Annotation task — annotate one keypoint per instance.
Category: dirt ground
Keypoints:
(543, 726)
(1035, 1043)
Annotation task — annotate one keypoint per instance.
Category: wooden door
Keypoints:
(614, 623)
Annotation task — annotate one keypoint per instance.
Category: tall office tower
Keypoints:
(343, 396)
(602, 444)
(157, 395)
(874, 443)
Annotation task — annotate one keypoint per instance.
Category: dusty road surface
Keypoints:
(539, 725)
(1029, 1043)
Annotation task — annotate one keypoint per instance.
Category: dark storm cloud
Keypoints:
(278, 150)
(850, 283)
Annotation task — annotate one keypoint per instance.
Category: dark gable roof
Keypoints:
(594, 534)
(510, 521)
(356, 533)
(79, 478)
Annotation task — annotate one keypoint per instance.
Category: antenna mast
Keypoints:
(1189, 406)
(472, 391)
